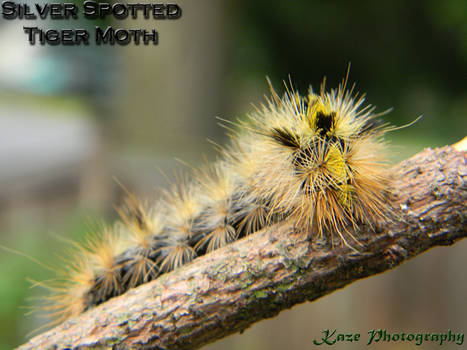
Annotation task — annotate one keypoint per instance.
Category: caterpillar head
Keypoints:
(320, 158)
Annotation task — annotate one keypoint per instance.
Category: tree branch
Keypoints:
(254, 278)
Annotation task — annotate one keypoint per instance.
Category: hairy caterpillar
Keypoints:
(316, 159)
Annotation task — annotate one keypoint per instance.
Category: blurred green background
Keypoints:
(74, 118)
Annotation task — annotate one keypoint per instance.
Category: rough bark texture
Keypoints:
(257, 277)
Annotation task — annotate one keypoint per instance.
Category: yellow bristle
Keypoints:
(141, 270)
(179, 253)
(216, 182)
(103, 249)
(219, 237)
(183, 205)
(254, 220)
(69, 290)
(217, 187)
(140, 224)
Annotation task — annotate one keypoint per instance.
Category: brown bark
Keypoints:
(257, 277)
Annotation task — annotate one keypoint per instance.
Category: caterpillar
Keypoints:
(317, 160)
